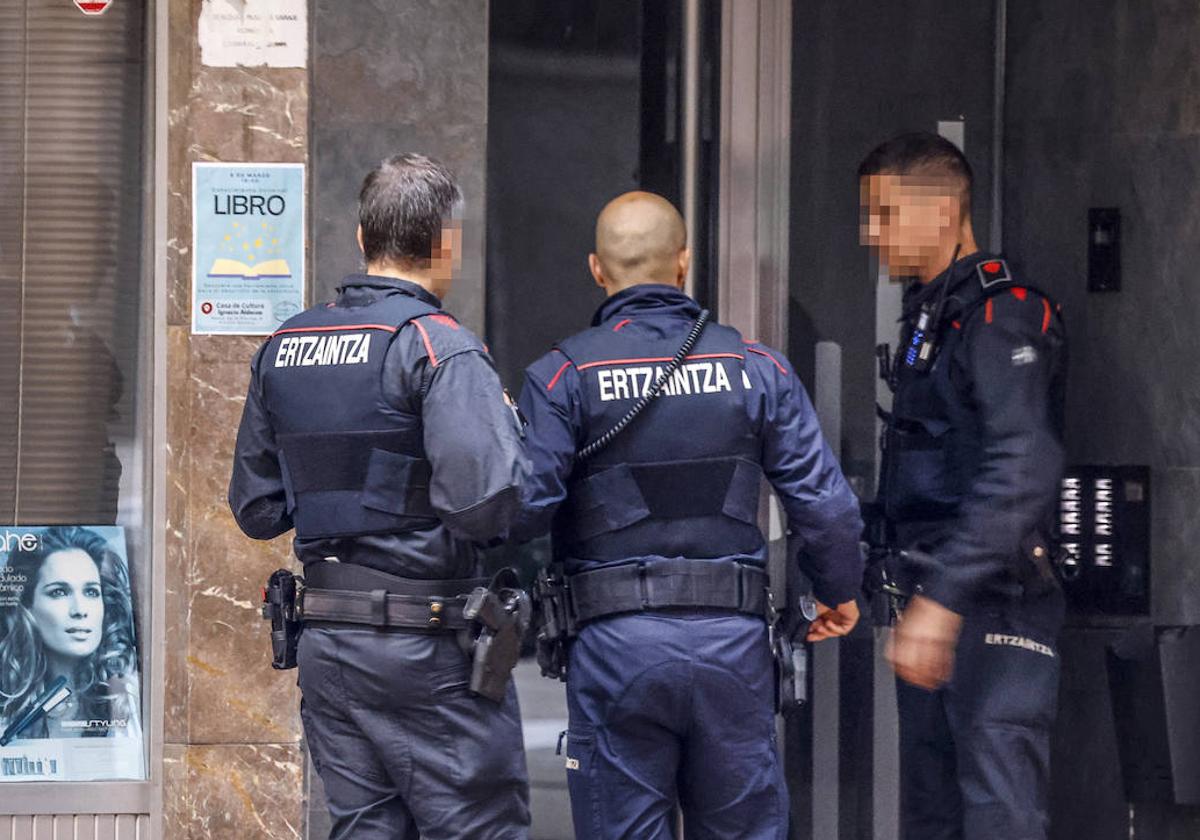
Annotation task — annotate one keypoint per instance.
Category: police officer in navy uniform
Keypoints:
(670, 682)
(973, 457)
(376, 427)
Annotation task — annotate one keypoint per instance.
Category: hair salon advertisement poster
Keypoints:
(247, 246)
(70, 695)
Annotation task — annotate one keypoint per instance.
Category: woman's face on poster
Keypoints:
(67, 605)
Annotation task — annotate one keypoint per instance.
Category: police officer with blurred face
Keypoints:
(376, 427)
(670, 685)
(973, 456)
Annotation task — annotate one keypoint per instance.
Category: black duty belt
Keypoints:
(667, 584)
(347, 593)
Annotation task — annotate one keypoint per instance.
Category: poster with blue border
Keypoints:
(247, 246)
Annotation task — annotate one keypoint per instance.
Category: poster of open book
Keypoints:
(248, 246)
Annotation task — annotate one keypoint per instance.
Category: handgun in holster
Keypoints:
(885, 573)
(787, 630)
(500, 614)
(279, 608)
(553, 622)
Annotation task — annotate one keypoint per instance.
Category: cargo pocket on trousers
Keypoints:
(450, 681)
(579, 758)
(310, 737)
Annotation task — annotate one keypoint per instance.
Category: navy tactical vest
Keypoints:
(352, 465)
(683, 479)
(932, 444)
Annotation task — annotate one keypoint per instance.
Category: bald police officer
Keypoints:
(971, 468)
(670, 684)
(376, 427)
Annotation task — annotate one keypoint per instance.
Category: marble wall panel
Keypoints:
(233, 766)
(220, 113)
(389, 78)
(234, 694)
(176, 811)
(235, 791)
(177, 605)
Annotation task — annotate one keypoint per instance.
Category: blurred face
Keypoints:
(446, 260)
(67, 607)
(908, 220)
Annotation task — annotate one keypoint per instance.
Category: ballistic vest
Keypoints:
(683, 479)
(933, 441)
(352, 465)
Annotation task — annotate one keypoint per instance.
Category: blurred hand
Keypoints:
(921, 649)
(832, 622)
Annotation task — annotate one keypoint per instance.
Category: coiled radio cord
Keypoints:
(688, 343)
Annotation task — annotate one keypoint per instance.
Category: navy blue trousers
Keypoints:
(668, 709)
(975, 755)
(404, 751)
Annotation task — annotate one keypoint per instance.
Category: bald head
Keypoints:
(640, 238)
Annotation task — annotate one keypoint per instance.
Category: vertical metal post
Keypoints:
(755, 158)
(826, 666)
(885, 765)
(754, 190)
(999, 82)
(158, 17)
(691, 126)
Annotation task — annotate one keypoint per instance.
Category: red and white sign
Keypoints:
(93, 7)
(206, 308)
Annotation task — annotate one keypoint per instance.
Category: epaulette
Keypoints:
(993, 273)
(444, 337)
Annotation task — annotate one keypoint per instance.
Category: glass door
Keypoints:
(586, 100)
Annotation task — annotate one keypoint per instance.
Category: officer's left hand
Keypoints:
(921, 649)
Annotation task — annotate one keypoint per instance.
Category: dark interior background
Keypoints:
(583, 104)
(1102, 104)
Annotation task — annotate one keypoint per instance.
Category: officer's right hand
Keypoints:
(833, 622)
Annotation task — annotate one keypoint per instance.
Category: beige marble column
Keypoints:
(234, 766)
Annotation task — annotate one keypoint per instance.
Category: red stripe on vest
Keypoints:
(554, 381)
(662, 359)
(383, 327)
(428, 344)
(782, 369)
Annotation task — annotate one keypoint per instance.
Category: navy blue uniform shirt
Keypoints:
(437, 370)
(822, 511)
(980, 468)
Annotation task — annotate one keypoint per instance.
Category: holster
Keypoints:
(887, 581)
(790, 651)
(279, 608)
(500, 614)
(553, 622)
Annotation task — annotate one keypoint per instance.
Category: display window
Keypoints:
(74, 408)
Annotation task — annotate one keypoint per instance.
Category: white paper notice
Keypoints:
(254, 33)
